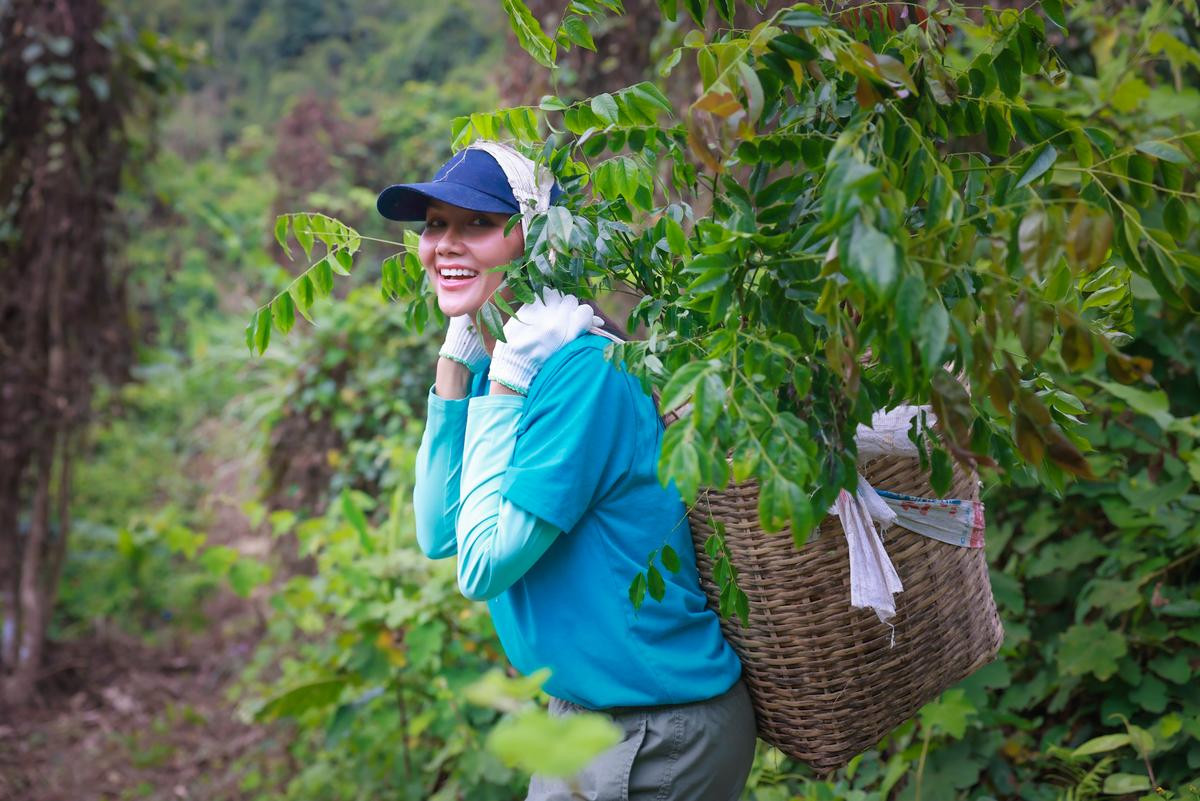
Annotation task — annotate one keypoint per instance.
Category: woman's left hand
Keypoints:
(537, 331)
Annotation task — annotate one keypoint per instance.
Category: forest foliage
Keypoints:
(990, 213)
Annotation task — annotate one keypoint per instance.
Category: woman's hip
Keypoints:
(697, 751)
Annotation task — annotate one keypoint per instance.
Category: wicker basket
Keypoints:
(826, 680)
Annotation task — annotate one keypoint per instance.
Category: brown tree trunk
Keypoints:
(31, 597)
(63, 318)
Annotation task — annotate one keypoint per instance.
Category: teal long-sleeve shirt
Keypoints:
(464, 454)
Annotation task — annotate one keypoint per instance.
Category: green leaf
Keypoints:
(342, 262)
(637, 590)
(682, 385)
(492, 320)
(949, 713)
(1155, 405)
(1150, 695)
(741, 605)
(1054, 11)
(537, 742)
(871, 258)
(1008, 73)
(655, 584)
(708, 401)
(1100, 745)
(559, 224)
(669, 559)
(1175, 668)
(246, 574)
(753, 89)
(1122, 783)
(1044, 159)
(778, 498)
(357, 520)
(682, 462)
(300, 698)
(281, 229)
(322, 277)
(301, 230)
(804, 16)
(552, 103)
(1175, 218)
(997, 129)
(262, 331)
(676, 239)
(932, 333)
(302, 293)
(1129, 94)
(1164, 151)
(910, 300)
(251, 327)
(941, 473)
(577, 32)
(1090, 648)
(1082, 147)
(532, 38)
(605, 107)
(283, 313)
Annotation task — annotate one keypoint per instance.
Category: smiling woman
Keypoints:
(538, 470)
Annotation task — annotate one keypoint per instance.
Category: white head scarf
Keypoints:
(530, 183)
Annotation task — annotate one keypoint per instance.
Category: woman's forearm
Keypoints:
(439, 460)
(497, 542)
(453, 380)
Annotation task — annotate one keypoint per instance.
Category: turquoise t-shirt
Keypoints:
(586, 461)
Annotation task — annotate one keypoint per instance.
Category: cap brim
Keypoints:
(407, 202)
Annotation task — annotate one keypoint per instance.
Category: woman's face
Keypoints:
(458, 246)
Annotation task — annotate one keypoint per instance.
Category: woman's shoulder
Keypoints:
(583, 359)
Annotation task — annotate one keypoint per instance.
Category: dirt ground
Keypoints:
(118, 719)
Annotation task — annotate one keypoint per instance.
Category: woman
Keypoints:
(538, 469)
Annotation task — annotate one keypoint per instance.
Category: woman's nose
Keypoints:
(450, 242)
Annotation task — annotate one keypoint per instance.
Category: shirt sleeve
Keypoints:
(438, 475)
(573, 443)
(497, 540)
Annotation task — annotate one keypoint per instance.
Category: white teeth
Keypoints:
(456, 273)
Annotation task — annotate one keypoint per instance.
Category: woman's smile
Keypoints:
(453, 277)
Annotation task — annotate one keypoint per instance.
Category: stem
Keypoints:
(921, 763)
(1180, 560)
(404, 730)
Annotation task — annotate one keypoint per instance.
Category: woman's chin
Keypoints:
(456, 307)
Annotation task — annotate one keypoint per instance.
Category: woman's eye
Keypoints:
(433, 224)
(482, 222)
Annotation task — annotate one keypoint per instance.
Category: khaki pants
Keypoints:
(687, 752)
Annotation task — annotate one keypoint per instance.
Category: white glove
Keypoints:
(463, 344)
(537, 331)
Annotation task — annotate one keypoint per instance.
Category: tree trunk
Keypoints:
(31, 609)
(63, 318)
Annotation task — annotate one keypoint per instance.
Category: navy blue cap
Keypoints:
(471, 179)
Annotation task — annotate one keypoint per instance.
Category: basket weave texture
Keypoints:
(826, 680)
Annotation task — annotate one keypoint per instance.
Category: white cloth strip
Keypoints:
(530, 183)
(873, 578)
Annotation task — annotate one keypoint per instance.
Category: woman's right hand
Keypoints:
(464, 345)
(537, 331)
